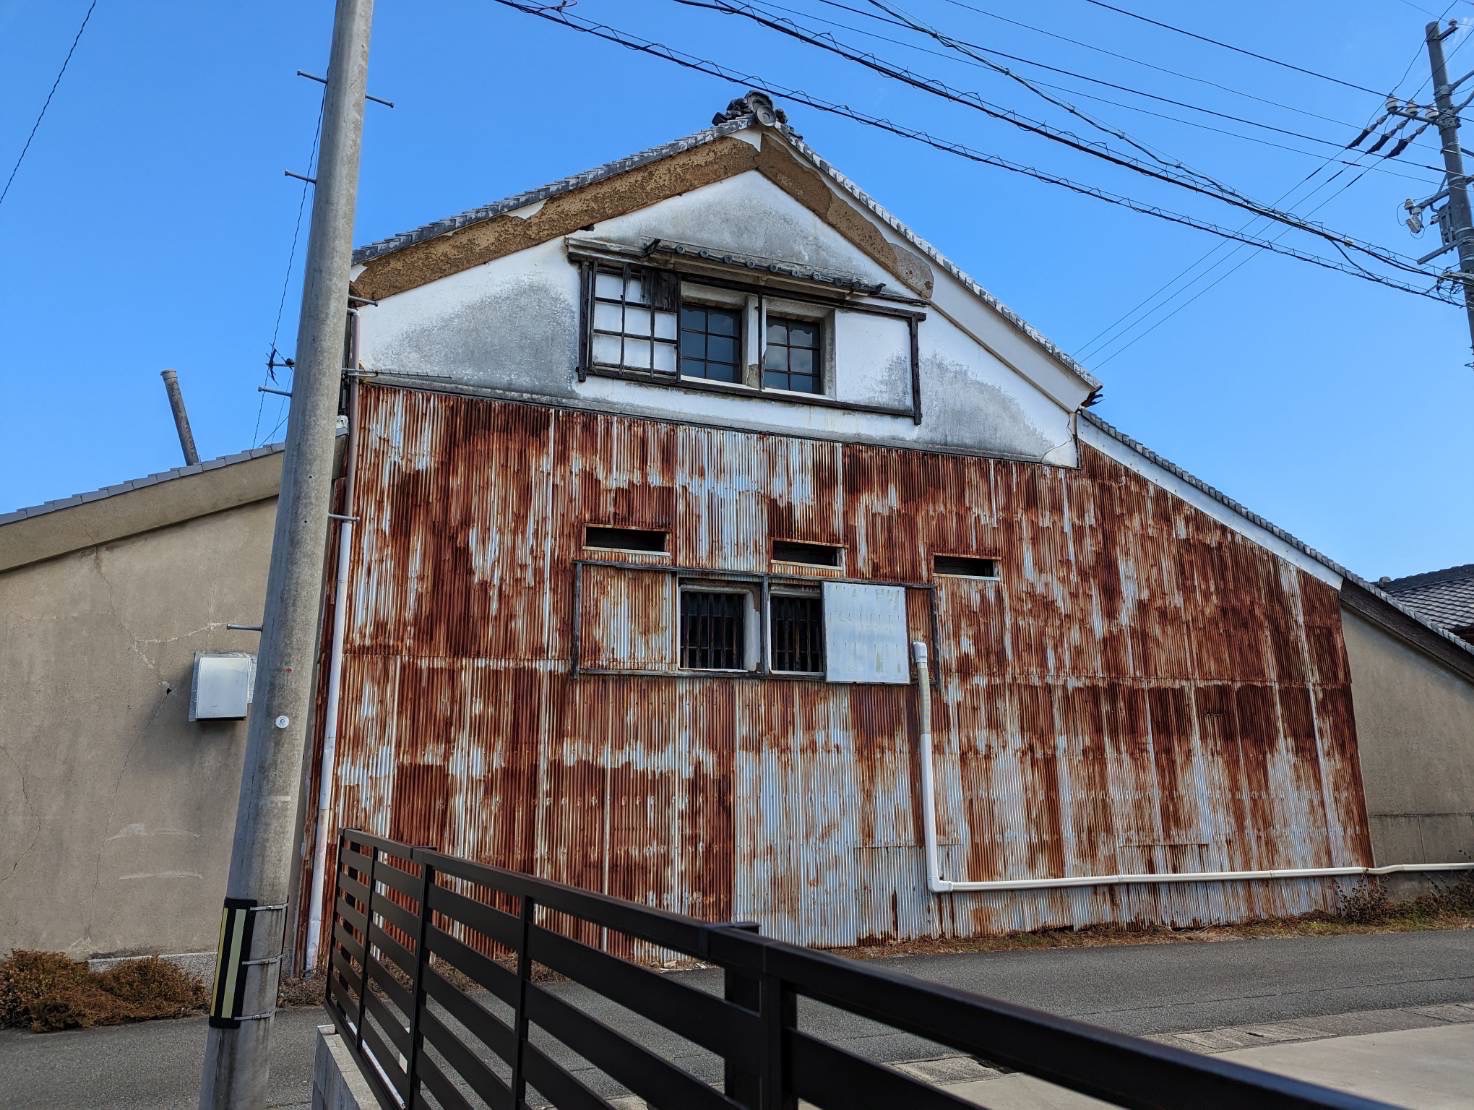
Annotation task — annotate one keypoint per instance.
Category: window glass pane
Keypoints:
(776, 358)
(777, 330)
(634, 291)
(607, 316)
(607, 349)
(637, 321)
(637, 353)
(693, 317)
(693, 367)
(801, 335)
(720, 322)
(665, 325)
(608, 285)
(721, 349)
(802, 382)
(693, 344)
(665, 357)
(775, 379)
(801, 360)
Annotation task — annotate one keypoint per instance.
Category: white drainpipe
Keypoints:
(938, 885)
(330, 715)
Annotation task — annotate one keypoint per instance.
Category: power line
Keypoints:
(940, 89)
(42, 113)
(1230, 46)
(272, 352)
(667, 53)
(1289, 132)
(1149, 65)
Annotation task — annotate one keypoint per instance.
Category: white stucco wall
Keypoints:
(511, 325)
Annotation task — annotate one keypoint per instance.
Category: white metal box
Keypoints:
(865, 633)
(221, 689)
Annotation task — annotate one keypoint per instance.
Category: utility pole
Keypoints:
(1454, 222)
(237, 1051)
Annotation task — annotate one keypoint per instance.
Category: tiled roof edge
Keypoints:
(30, 512)
(1430, 578)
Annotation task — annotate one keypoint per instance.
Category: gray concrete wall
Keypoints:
(116, 812)
(1415, 731)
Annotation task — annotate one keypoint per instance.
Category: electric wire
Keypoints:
(972, 100)
(271, 353)
(1230, 46)
(1095, 81)
(86, 18)
(664, 52)
(966, 6)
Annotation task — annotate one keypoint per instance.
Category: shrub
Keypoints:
(1366, 904)
(48, 991)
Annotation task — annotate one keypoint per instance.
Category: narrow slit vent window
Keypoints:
(634, 323)
(714, 630)
(625, 539)
(814, 554)
(796, 633)
(965, 566)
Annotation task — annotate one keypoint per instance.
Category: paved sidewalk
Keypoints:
(1417, 1056)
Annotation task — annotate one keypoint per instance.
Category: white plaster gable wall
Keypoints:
(511, 326)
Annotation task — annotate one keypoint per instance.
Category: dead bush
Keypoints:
(1366, 904)
(47, 991)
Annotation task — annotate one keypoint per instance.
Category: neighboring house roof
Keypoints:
(114, 512)
(1442, 597)
(726, 128)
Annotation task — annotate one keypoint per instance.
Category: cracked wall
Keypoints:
(116, 812)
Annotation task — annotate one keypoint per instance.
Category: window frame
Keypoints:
(794, 589)
(702, 286)
(753, 624)
(823, 320)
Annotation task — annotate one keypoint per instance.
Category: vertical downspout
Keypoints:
(335, 675)
(934, 881)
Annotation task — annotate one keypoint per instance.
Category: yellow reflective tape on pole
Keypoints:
(231, 956)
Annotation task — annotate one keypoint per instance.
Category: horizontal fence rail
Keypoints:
(445, 980)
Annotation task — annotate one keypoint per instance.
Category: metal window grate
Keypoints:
(796, 629)
(791, 360)
(710, 339)
(713, 630)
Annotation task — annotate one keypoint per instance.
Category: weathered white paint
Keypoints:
(865, 633)
(511, 326)
(1128, 456)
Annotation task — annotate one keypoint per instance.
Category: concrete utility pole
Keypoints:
(237, 1052)
(1455, 224)
(181, 418)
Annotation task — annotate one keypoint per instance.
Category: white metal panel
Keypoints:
(865, 633)
(222, 685)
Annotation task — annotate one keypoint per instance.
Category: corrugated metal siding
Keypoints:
(1142, 690)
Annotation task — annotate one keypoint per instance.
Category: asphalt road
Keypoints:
(1138, 989)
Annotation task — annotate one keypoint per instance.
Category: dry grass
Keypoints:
(47, 991)
(1366, 909)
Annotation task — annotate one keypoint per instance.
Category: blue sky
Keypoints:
(150, 224)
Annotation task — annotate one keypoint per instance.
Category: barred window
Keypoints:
(634, 324)
(714, 632)
(796, 631)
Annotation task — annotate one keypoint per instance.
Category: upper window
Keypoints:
(796, 631)
(792, 357)
(711, 342)
(718, 628)
(634, 324)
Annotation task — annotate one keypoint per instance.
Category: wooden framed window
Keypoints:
(634, 320)
(711, 343)
(793, 358)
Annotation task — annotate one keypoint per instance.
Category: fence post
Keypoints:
(417, 987)
(327, 971)
(739, 987)
(368, 925)
(778, 1008)
(519, 1018)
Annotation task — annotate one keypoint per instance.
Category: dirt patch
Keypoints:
(1366, 909)
(47, 991)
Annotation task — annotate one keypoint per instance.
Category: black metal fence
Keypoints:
(439, 981)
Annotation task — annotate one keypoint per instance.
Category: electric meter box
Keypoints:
(221, 690)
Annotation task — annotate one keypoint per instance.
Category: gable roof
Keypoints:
(1443, 597)
(730, 127)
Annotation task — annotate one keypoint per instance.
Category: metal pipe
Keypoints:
(330, 715)
(181, 418)
(938, 885)
(934, 878)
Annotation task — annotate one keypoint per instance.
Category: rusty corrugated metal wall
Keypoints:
(1144, 689)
